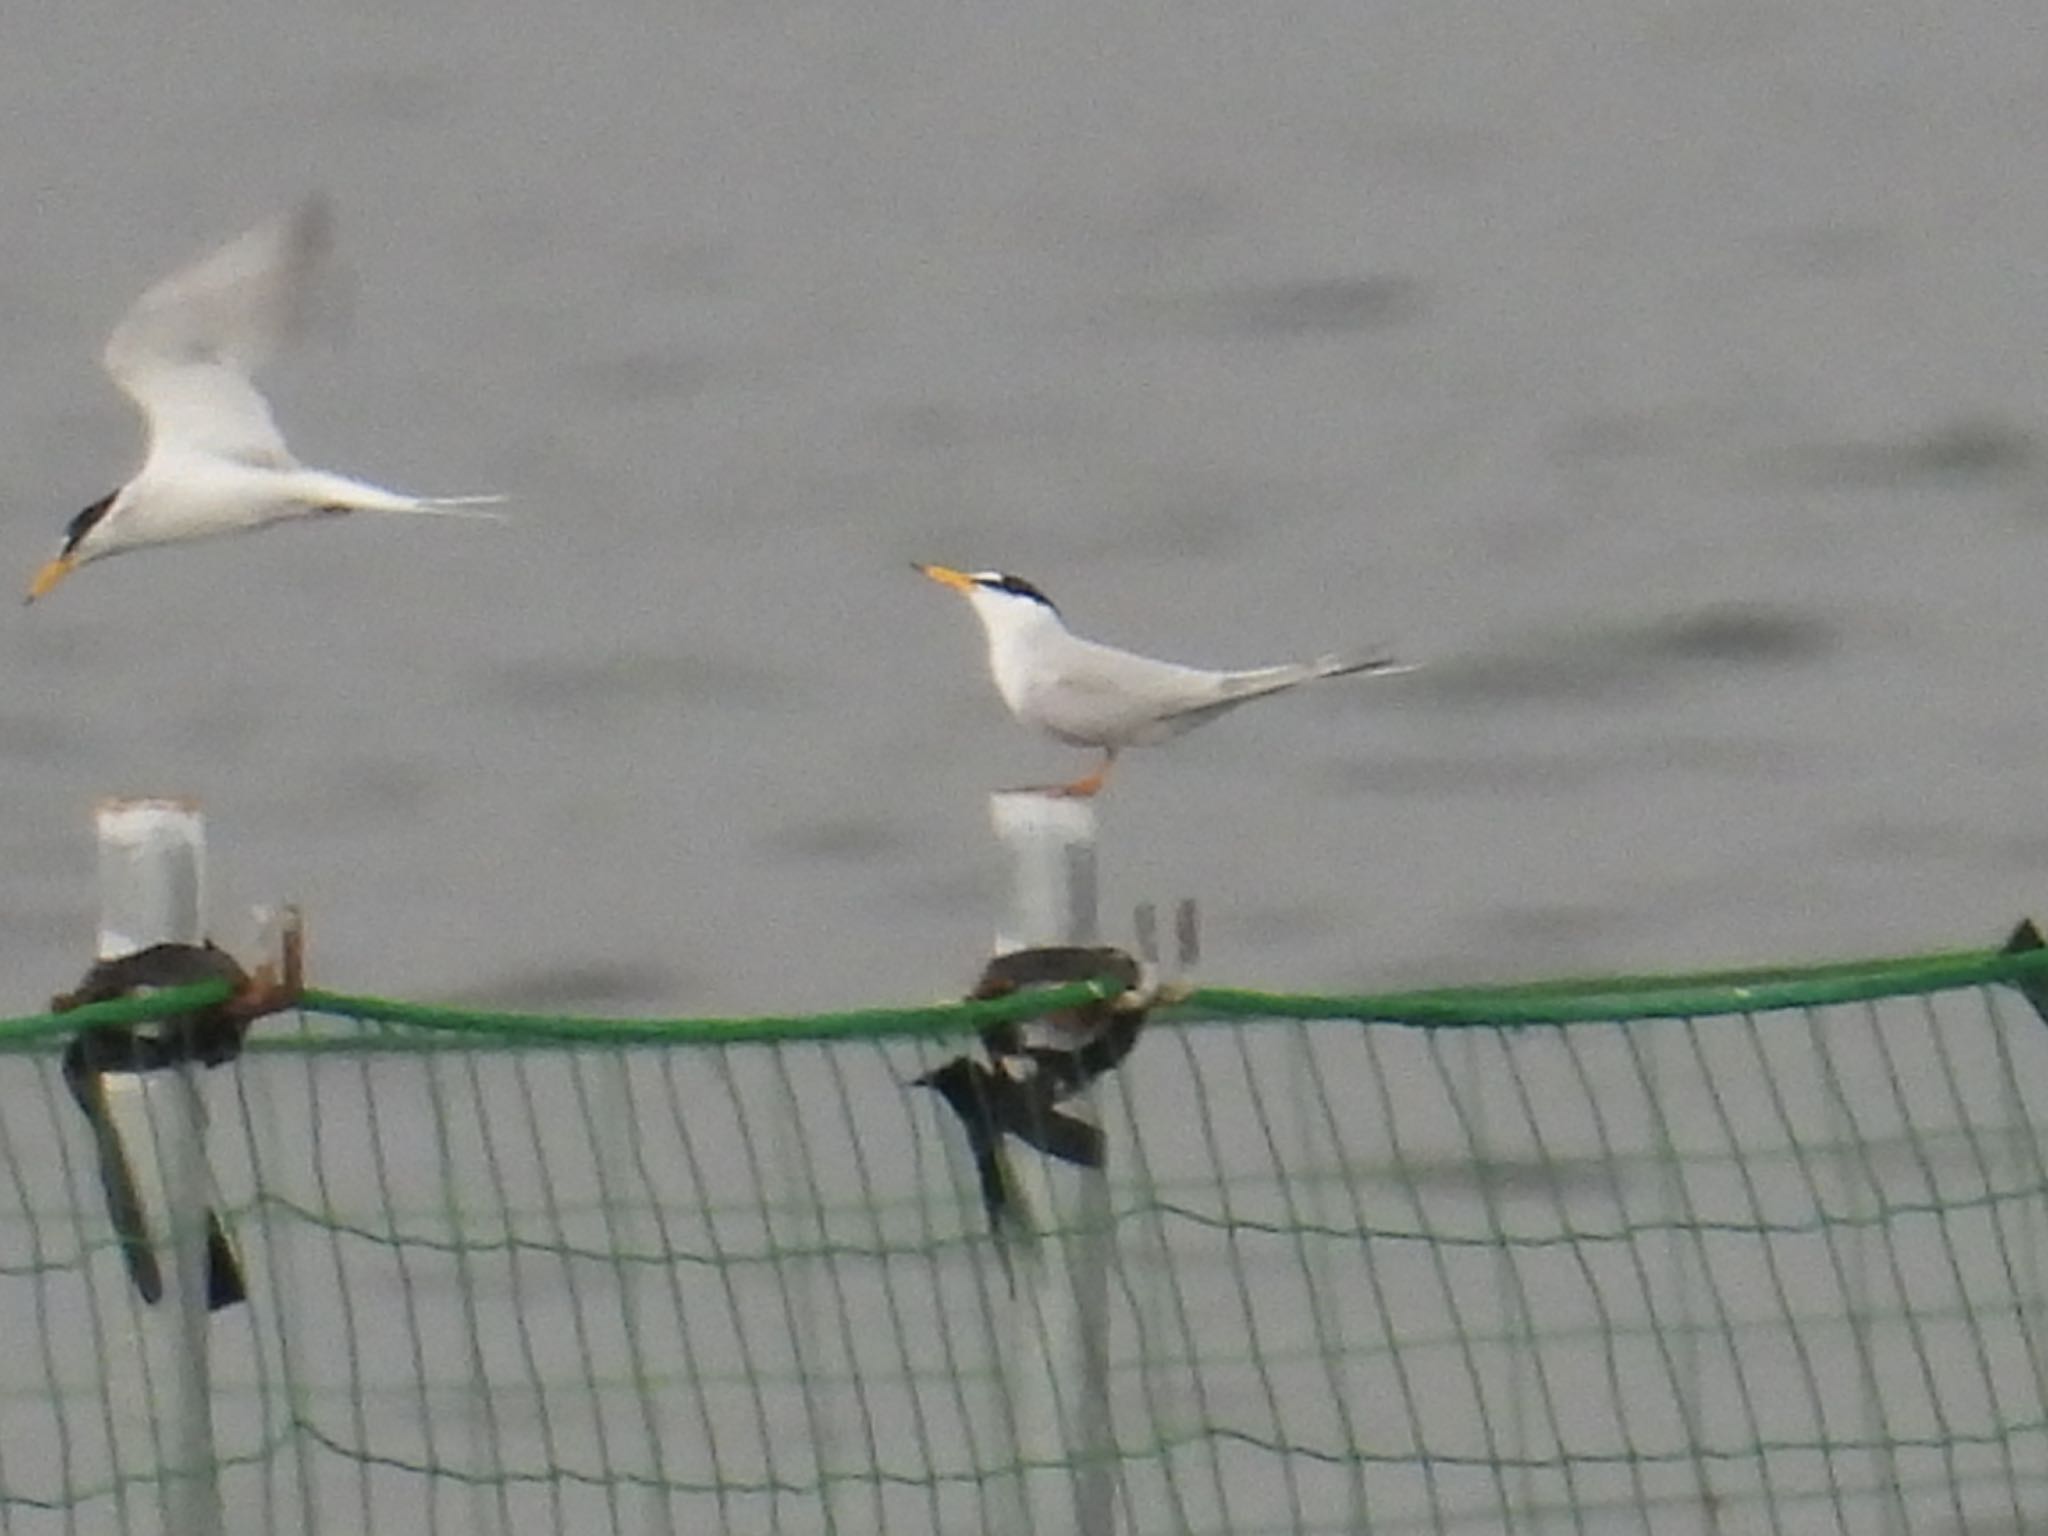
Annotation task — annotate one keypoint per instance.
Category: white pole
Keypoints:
(152, 880)
(1057, 1370)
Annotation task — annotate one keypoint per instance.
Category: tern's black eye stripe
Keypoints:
(1015, 585)
(86, 521)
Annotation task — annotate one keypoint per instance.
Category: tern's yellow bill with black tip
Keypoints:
(51, 573)
(945, 576)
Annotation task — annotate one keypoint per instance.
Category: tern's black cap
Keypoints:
(1016, 586)
(84, 523)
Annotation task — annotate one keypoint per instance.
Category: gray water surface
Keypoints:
(1668, 380)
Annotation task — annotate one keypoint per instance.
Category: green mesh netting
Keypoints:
(1758, 1253)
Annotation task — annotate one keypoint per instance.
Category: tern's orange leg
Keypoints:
(1091, 784)
(1079, 789)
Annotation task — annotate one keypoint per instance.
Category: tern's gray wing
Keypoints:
(1230, 689)
(1160, 686)
(185, 352)
(1098, 688)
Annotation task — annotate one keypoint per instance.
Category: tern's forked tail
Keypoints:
(1353, 663)
(1236, 687)
(459, 506)
(321, 490)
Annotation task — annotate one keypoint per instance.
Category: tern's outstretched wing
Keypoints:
(185, 352)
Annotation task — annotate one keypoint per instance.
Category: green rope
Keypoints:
(543, 1028)
(1704, 994)
(171, 1003)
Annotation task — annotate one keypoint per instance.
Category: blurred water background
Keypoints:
(1668, 378)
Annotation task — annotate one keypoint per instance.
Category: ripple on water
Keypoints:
(55, 927)
(1315, 306)
(36, 739)
(1515, 774)
(1326, 305)
(1627, 658)
(1747, 633)
(375, 790)
(648, 376)
(1967, 450)
(837, 839)
(580, 985)
(583, 685)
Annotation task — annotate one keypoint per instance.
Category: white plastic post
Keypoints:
(1057, 1366)
(152, 877)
